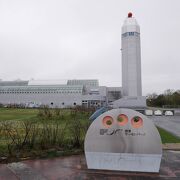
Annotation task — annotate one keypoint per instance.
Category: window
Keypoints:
(131, 33)
(136, 33)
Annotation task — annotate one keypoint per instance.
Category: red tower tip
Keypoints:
(129, 15)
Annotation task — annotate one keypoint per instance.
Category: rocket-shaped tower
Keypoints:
(131, 57)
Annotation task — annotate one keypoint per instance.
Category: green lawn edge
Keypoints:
(167, 137)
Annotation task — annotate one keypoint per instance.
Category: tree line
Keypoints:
(169, 99)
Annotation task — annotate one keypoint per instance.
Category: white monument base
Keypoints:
(123, 161)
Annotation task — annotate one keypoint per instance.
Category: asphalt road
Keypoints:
(169, 123)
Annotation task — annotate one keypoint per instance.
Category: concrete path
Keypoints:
(170, 146)
(169, 123)
(74, 168)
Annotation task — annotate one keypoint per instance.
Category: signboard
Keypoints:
(123, 139)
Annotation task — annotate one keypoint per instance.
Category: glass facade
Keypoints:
(41, 89)
(89, 82)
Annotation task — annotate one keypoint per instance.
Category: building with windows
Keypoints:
(34, 93)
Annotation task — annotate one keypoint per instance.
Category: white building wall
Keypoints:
(58, 100)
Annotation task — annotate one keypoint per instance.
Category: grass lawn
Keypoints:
(24, 114)
(167, 137)
(17, 114)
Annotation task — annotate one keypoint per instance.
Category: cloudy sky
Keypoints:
(81, 39)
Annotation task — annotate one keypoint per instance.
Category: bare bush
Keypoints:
(18, 136)
(77, 133)
(23, 136)
(51, 135)
(57, 112)
(45, 113)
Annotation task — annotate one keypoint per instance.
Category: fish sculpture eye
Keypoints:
(107, 121)
(137, 122)
(122, 119)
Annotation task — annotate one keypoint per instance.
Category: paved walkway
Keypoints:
(170, 146)
(74, 168)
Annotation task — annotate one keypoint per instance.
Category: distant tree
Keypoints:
(176, 98)
(168, 92)
(170, 98)
(151, 99)
(160, 100)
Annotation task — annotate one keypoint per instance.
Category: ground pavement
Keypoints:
(74, 167)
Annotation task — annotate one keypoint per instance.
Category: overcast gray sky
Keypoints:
(81, 39)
